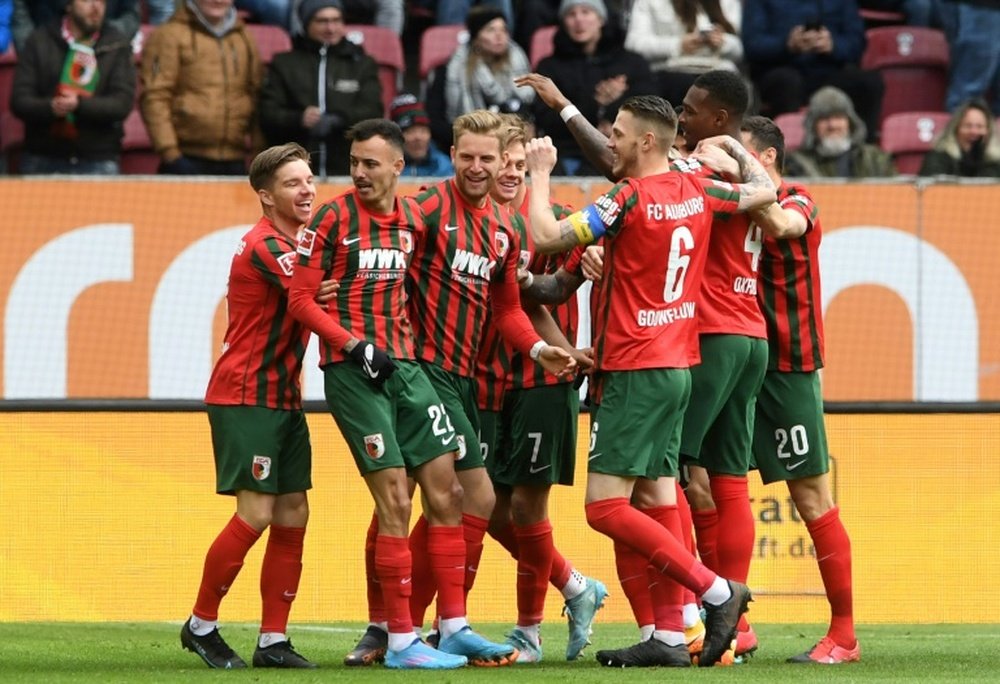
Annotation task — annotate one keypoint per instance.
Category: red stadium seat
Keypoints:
(908, 136)
(437, 45)
(8, 63)
(11, 140)
(541, 44)
(138, 155)
(270, 40)
(792, 125)
(384, 46)
(873, 18)
(914, 63)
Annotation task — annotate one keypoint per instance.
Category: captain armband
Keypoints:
(587, 225)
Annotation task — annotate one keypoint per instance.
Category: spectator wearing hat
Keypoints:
(73, 87)
(323, 86)
(422, 156)
(455, 11)
(834, 145)
(481, 73)
(200, 75)
(388, 14)
(592, 68)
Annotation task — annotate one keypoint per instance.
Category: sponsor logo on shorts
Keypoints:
(261, 467)
(375, 446)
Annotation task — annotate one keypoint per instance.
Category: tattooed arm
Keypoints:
(553, 289)
(550, 235)
(757, 190)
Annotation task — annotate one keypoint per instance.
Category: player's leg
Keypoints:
(790, 444)
(622, 451)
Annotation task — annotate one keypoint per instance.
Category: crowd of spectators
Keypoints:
(208, 100)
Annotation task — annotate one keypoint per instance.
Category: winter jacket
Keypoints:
(200, 90)
(98, 118)
(655, 31)
(485, 88)
(577, 74)
(353, 93)
(437, 164)
(947, 158)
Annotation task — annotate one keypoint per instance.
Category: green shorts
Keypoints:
(539, 436)
(403, 425)
(458, 395)
(789, 441)
(718, 424)
(490, 436)
(260, 449)
(635, 432)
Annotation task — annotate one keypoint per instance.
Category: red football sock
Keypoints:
(424, 582)
(393, 567)
(506, 537)
(687, 534)
(561, 569)
(534, 565)
(446, 548)
(617, 519)
(222, 564)
(665, 592)
(474, 529)
(734, 549)
(376, 607)
(833, 553)
(280, 572)
(632, 576)
(706, 527)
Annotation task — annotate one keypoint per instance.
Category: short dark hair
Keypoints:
(383, 128)
(727, 88)
(765, 133)
(266, 164)
(655, 110)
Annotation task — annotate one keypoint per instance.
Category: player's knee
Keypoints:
(529, 506)
(812, 497)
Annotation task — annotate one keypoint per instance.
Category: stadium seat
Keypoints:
(914, 64)
(792, 125)
(541, 44)
(874, 18)
(907, 136)
(386, 49)
(437, 44)
(8, 63)
(138, 155)
(11, 139)
(270, 40)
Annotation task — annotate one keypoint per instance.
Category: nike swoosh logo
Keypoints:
(288, 594)
(793, 466)
(446, 442)
(534, 470)
(368, 369)
(450, 229)
(593, 456)
(348, 242)
(276, 659)
(405, 580)
(827, 556)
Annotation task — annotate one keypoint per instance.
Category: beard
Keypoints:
(833, 146)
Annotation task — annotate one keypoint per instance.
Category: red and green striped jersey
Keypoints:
(656, 243)
(261, 362)
(790, 289)
(466, 249)
(368, 254)
(728, 302)
(525, 373)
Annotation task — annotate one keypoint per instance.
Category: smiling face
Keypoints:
(476, 158)
(699, 117)
(972, 127)
(624, 145)
(375, 168)
(510, 179)
(291, 194)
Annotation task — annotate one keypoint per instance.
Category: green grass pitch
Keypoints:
(150, 652)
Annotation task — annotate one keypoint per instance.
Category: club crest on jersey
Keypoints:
(306, 242)
(525, 259)
(287, 263)
(261, 467)
(501, 242)
(406, 241)
(375, 446)
(461, 447)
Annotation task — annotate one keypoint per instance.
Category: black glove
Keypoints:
(375, 363)
(328, 123)
(182, 166)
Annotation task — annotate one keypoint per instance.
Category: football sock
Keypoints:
(634, 580)
(534, 565)
(669, 637)
(718, 593)
(691, 614)
(268, 638)
(734, 549)
(568, 579)
(222, 564)
(474, 529)
(376, 608)
(506, 538)
(449, 626)
(531, 632)
(833, 553)
(424, 581)
(393, 566)
(706, 526)
(279, 576)
(665, 592)
(446, 548)
(687, 532)
(201, 627)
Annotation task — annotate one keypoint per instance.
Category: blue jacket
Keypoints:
(6, 9)
(437, 164)
(767, 23)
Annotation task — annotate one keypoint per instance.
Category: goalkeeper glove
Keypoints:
(375, 363)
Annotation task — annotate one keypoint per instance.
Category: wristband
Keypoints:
(568, 112)
(536, 349)
(528, 281)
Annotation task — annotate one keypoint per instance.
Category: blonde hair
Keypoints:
(480, 122)
(514, 131)
(266, 164)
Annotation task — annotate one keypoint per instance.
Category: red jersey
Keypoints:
(261, 362)
(467, 251)
(656, 242)
(368, 254)
(790, 289)
(728, 302)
